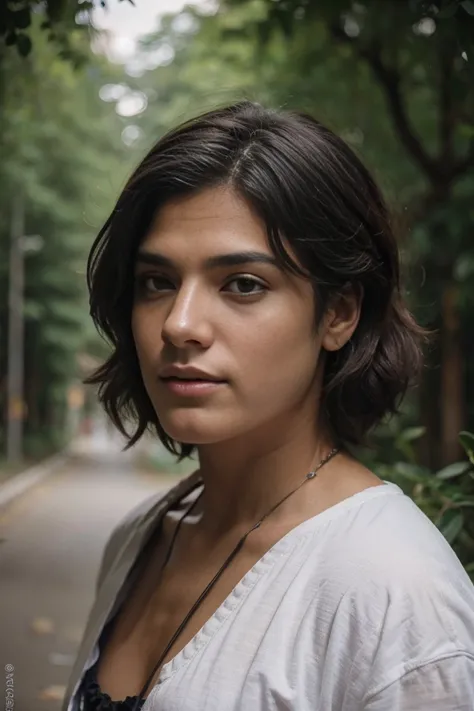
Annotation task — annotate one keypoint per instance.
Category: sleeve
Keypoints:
(119, 535)
(158, 501)
(443, 684)
(107, 559)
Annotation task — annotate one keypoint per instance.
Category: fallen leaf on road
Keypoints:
(42, 625)
(52, 693)
(61, 660)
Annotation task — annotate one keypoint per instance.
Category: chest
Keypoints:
(144, 631)
(273, 643)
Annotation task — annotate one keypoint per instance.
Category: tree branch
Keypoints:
(389, 80)
(463, 164)
(422, 204)
(446, 118)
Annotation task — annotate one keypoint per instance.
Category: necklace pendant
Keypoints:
(311, 475)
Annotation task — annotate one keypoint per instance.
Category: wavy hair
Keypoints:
(310, 189)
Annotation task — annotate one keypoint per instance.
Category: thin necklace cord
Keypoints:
(311, 475)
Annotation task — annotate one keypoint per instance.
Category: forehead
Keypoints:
(214, 220)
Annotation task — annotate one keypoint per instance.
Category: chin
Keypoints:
(189, 429)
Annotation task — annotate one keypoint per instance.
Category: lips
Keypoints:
(174, 378)
(189, 373)
(184, 387)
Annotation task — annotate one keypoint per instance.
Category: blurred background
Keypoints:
(85, 89)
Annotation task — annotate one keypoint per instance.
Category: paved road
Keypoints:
(52, 539)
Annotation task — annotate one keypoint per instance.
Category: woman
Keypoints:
(248, 280)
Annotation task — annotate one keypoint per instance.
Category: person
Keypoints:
(248, 281)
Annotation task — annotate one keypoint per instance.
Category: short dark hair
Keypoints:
(309, 188)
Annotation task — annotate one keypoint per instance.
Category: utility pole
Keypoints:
(15, 411)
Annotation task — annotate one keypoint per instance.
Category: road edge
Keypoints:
(20, 483)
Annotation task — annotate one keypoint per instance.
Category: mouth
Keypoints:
(175, 378)
(196, 386)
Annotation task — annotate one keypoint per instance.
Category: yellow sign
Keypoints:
(75, 397)
(16, 409)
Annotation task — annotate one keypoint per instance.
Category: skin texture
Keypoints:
(253, 326)
(257, 435)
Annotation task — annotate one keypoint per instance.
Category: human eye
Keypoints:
(150, 284)
(246, 286)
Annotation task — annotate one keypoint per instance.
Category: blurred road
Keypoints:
(51, 540)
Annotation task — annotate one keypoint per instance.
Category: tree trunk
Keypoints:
(428, 447)
(452, 376)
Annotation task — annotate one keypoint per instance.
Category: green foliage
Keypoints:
(396, 81)
(16, 19)
(160, 460)
(467, 441)
(401, 94)
(68, 176)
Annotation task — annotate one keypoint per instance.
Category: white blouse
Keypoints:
(362, 607)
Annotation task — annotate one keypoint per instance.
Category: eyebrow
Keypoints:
(220, 260)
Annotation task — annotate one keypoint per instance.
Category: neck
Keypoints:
(241, 483)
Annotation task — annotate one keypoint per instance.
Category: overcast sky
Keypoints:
(127, 22)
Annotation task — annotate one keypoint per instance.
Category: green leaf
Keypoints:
(447, 11)
(451, 525)
(10, 39)
(467, 441)
(468, 6)
(24, 45)
(453, 470)
(464, 265)
(412, 433)
(411, 472)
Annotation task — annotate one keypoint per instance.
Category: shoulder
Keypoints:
(381, 535)
(383, 546)
(142, 514)
(399, 596)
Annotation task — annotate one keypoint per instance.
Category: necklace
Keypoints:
(139, 701)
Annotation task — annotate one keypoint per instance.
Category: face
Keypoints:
(209, 295)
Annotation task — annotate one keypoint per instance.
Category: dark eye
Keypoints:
(152, 284)
(247, 286)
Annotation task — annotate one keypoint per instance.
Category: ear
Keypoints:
(341, 317)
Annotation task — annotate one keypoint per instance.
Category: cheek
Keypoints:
(280, 361)
(147, 340)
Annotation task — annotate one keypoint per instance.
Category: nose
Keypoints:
(187, 322)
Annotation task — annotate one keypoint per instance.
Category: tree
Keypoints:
(59, 17)
(68, 176)
(412, 47)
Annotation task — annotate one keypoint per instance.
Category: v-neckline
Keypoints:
(229, 605)
(235, 597)
(241, 590)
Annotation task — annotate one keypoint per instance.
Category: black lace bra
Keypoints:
(93, 699)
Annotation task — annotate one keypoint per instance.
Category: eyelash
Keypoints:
(142, 280)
